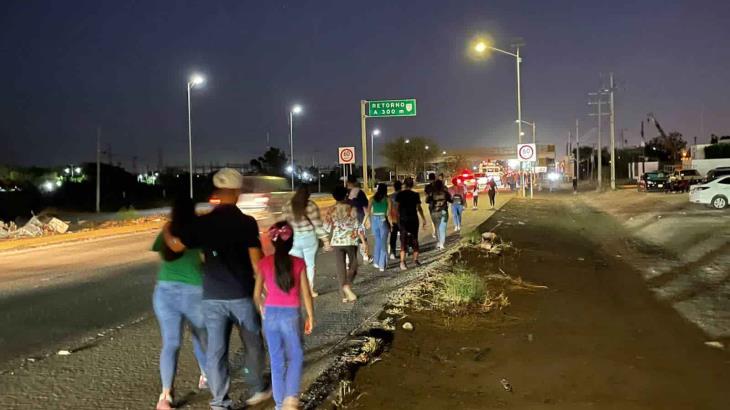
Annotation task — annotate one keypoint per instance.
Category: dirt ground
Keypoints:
(597, 338)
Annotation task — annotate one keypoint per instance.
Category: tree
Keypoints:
(454, 164)
(409, 155)
(273, 162)
(667, 147)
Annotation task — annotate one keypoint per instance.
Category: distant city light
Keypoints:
(78, 170)
(426, 146)
(513, 163)
(289, 169)
(59, 183)
(297, 109)
(305, 175)
(48, 186)
(67, 170)
(408, 141)
(376, 132)
(553, 176)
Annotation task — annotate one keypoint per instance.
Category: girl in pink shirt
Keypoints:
(283, 280)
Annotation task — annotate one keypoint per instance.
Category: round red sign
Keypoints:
(346, 155)
(526, 152)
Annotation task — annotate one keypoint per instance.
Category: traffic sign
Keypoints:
(526, 152)
(346, 155)
(392, 108)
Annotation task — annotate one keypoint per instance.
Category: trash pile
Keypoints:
(33, 228)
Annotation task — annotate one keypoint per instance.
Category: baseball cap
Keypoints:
(228, 178)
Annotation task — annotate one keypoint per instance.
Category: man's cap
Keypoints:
(227, 178)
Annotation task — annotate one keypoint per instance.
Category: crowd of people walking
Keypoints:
(214, 275)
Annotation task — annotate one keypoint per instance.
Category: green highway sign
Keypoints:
(392, 108)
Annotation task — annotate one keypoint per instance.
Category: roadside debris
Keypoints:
(506, 385)
(408, 326)
(715, 344)
(33, 228)
(63, 353)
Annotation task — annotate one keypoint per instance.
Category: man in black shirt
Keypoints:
(408, 204)
(231, 248)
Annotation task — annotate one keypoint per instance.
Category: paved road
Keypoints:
(38, 316)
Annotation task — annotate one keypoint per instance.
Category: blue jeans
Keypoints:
(173, 302)
(457, 209)
(283, 330)
(380, 231)
(220, 317)
(305, 247)
(440, 220)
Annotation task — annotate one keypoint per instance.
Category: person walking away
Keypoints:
(575, 185)
(492, 192)
(393, 216)
(359, 200)
(438, 203)
(178, 298)
(285, 279)
(377, 217)
(344, 227)
(457, 205)
(231, 248)
(408, 207)
(475, 197)
(427, 191)
(303, 215)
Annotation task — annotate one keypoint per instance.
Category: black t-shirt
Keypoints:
(438, 200)
(408, 202)
(225, 235)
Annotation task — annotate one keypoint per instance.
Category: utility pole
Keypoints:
(599, 102)
(613, 133)
(98, 170)
(577, 150)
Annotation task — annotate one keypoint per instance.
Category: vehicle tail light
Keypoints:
(214, 201)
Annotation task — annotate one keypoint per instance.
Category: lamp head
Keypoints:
(297, 109)
(197, 79)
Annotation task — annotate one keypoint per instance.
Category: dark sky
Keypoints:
(70, 66)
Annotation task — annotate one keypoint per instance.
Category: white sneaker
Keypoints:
(203, 382)
(392, 257)
(376, 266)
(259, 397)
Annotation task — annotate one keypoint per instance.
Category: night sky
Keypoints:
(71, 66)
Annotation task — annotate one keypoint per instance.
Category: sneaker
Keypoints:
(203, 382)
(403, 266)
(381, 269)
(165, 402)
(259, 397)
(393, 257)
(376, 266)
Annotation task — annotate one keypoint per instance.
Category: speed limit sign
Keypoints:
(526, 152)
(346, 155)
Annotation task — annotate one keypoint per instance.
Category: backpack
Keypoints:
(439, 201)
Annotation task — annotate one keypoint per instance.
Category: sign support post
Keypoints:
(364, 143)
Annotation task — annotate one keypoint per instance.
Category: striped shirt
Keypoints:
(312, 221)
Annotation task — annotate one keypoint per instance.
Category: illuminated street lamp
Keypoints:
(195, 80)
(480, 47)
(296, 109)
(373, 134)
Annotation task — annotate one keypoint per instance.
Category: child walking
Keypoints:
(283, 279)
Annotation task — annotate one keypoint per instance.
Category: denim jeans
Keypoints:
(220, 317)
(305, 247)
(283, 330)
(457, 210)
(440, 220)
(174, 303)
(380, 233)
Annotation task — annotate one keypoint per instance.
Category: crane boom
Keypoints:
(653, 120)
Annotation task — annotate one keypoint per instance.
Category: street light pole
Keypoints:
(196, 79)
(291, 147)
(295, 110)
(480, 48)
(373, 134)
(190, 144)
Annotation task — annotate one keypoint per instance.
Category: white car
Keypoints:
(714, 193)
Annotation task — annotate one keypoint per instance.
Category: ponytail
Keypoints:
(282, 237)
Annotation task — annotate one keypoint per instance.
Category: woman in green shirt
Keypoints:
(378, 217)
(178, 297)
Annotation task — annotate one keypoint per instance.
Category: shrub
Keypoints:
(463, 286)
